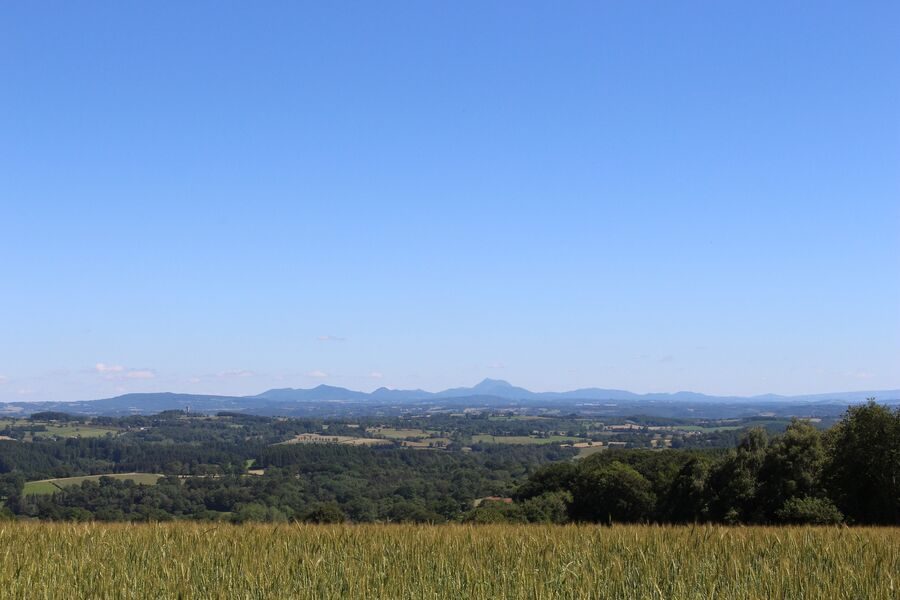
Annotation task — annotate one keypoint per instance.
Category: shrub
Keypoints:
(809, 511)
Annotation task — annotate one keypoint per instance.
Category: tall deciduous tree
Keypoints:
(792, 468)
(615, 492)
(734, 483)
(863, 469)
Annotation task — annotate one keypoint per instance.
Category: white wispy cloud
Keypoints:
(237, 373)
(496, 365)
(116, 372)
(3, 379)
(317, 374)
(376, 375)
(140, 374)
(331, 338)
(862, 375)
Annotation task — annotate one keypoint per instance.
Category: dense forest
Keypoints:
(233, 467)
(851, 473)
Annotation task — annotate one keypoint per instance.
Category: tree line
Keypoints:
(850, 473)
(310, 482)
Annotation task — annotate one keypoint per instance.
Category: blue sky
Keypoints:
(228, 197)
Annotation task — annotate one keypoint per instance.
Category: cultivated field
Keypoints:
(401, 434)
(44, 560)
(315, 438)
(58, 430)
(67, 430)
(51, 486)
(483, 438)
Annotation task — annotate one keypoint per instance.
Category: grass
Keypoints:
(40, 488)
(51, 486)
(583, 452)
(62, 430)
(427, 443)
(483, 438)
(75, 430)
(401, 434)
(184, 560)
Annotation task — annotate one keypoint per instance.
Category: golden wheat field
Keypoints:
(43, 560)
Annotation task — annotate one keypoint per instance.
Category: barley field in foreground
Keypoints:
(46, 560)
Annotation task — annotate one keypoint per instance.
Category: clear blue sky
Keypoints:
(226, 197)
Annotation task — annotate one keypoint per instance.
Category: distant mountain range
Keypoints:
(326, 399)
(499, 388)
